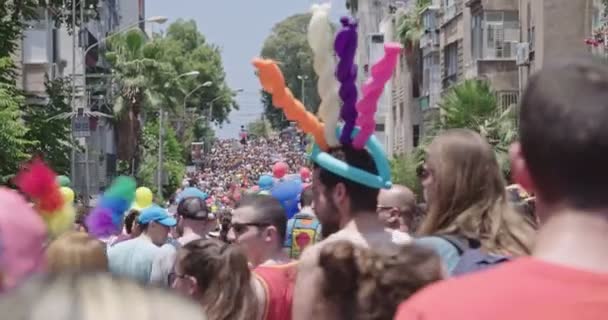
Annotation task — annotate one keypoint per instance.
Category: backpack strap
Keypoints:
(461, 244)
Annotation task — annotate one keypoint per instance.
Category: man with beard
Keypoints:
(347, 211)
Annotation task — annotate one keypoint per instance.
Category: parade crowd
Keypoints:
(474, 245)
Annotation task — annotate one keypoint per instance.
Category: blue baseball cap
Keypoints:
(158, 215)
(191, 193)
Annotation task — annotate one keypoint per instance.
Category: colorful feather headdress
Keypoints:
(106, 219)
(338, 91)
(54, 203)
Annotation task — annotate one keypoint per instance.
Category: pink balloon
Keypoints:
(279, 169)
(305, 173)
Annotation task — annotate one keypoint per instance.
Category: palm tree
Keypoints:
(136, 75)
(472, 104)
(410, 27)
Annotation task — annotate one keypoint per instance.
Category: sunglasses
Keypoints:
(242, 227)
(422, 172)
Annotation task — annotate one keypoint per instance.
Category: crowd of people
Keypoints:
(476, 249)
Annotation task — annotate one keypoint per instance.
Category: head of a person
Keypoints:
(258, 226)
(193, 213)
(306, 198)
(377, 283)
(99, 296)
(76, 252)
(465, 194)
(156, 223)
(563, 143)
(218, 276)
(397, 208)
(23, 235)
(131, 225)
(337, 199)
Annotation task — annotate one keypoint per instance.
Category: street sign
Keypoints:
(81, 127)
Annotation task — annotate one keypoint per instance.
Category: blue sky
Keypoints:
(239, 27)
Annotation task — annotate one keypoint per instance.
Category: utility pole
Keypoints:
(73, 154)
(161, 132)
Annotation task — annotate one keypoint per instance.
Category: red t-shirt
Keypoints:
(524, 289)
(278, 282)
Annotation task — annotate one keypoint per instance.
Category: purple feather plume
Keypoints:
(100, 224)
(346, 72)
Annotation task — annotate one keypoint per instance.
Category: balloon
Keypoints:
(288, 193)
(341, 168)
(143, 198)
(346, 47)
(279, 169)
(305, 173)
(273, 82)
(64, 181)
(382, 72)
(265, 182)
(68, 194)
(320, 38)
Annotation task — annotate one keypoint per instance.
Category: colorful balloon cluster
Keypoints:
(54, 203)
(106, 219)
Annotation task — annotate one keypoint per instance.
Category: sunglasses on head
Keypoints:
(242, 227)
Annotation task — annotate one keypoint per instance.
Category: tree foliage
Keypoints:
(403, 172)
(51, 137)
(259, 128)
(288, 45)
(410, 27)
(173, 159)
(13, 142)
(472, 104)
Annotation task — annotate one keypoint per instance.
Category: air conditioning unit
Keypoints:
(523, 54)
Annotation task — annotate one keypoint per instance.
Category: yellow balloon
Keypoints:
(60, 221)
(143, 197)
(68, 194)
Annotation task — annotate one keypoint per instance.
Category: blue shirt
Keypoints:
(133, 259)
(445, 250)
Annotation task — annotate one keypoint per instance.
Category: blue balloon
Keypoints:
(288, 194)
(341, 168)
(265, 182)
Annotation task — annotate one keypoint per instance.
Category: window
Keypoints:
(477, 36)
(379, 127)
(450, 57)
(449, 7)
(416, 135)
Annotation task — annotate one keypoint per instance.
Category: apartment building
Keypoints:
(552, 30)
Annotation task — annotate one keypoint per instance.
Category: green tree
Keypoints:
(13, 142)
(173, 159)
(259, 128)
(136, 75)
(288, 45)
(185, 48)
(51, 134)
(472, 104)
(410, 27)
(403, 172)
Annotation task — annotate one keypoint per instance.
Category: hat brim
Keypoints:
(168, 222)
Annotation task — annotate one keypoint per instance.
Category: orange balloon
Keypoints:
(273, 82)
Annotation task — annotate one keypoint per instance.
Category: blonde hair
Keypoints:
(93, 296)
(76, 251)
(469, 197)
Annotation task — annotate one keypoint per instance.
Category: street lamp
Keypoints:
(161, 132)
(234, 92)
(204, 85)
(303, 78)
(155, 19)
